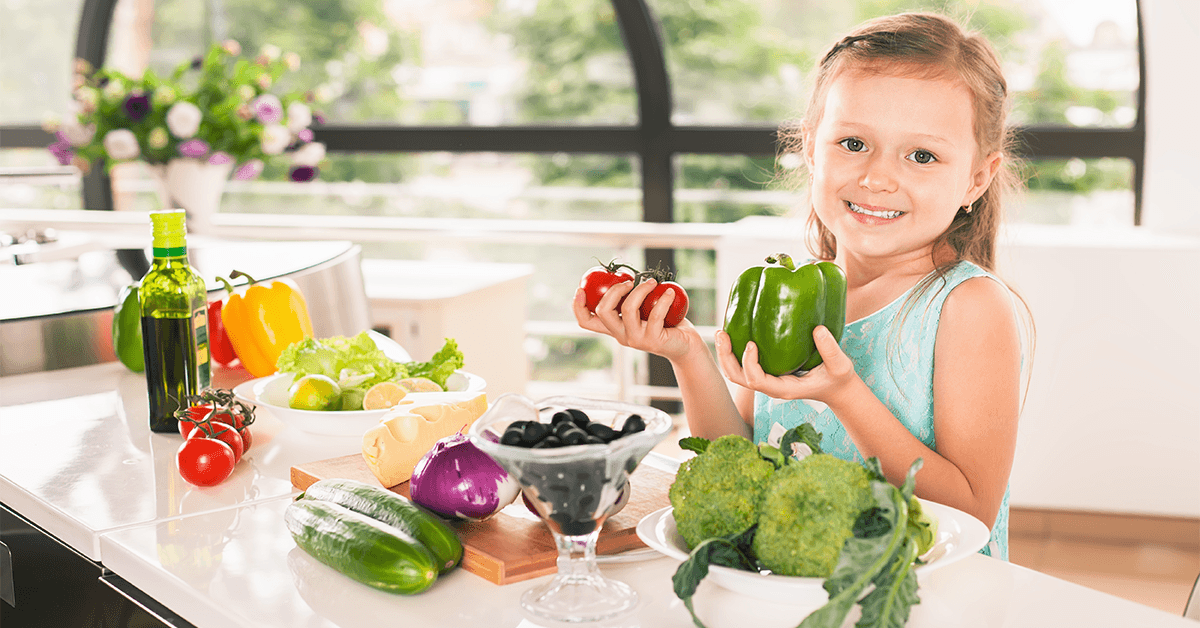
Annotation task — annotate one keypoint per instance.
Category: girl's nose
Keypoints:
(878, 176)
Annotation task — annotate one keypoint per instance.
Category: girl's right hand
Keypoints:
(823, 383)
(626, 326)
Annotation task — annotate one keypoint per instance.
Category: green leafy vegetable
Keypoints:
(729, 551)
(694, 443)
(441, 366)
(804, 433)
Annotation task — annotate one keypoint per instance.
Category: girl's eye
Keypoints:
(922, 156)
(853, 145)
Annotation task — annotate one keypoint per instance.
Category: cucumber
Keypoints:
(392, 509)
(371, 552)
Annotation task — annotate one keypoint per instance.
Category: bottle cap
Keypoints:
(169, 231)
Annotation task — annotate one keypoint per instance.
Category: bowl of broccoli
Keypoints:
(795, 529)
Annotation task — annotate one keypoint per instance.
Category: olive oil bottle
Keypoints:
(173, 300)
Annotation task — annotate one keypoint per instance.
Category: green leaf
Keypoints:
(772, 455)
(889, 603)
(910, 480)
(730, 551)
(694, 443)
(803, 433)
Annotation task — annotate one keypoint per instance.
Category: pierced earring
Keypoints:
(966, 209)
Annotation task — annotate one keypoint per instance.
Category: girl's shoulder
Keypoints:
(977, 297)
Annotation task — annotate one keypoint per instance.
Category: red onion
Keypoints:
(456, 479)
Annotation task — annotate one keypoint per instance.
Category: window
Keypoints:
(624, 110)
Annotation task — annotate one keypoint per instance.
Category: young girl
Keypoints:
(904, 140)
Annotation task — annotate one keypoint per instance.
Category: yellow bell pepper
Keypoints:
(263, 319)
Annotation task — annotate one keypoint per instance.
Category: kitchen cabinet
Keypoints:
(482, 306)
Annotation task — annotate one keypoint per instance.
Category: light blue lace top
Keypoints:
(905, 387)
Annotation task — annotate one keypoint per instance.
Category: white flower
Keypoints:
(275, 138)
(292, 61)
(271, 51)
(299, 116)
(183, 119)
(310, 154)
(268, 109)
(121, 144)
(76, 133)
(114, 91)
(245, 92)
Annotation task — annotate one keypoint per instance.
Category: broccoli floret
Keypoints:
(717, 492)
(808, 511)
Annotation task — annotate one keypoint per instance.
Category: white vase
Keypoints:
(194, 186)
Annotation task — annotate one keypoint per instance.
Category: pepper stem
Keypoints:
(228, 286)
(783, 259)
(237, 273)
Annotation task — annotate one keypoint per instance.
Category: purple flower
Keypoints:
(62, 152)
(318, 118)
(220, 157)
(249, 170)
(302, 174)
(137, 106)
(194, 148)
(305, 135)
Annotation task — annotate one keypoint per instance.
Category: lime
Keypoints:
(383, 395)
(313, 392)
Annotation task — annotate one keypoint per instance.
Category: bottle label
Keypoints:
(174, 251)
(200, 329)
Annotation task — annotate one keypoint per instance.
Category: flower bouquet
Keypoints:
(216, 110)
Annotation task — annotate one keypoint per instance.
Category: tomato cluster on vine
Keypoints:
(216, 435)
(598, 279)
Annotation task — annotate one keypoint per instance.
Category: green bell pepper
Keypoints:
(778, 305)
(127, 330)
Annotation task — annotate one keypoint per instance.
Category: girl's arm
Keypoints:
(976, 392)
(710, 409)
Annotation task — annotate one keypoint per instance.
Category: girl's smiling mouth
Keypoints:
(886, 215)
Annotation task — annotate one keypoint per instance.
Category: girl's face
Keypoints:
(892, 160)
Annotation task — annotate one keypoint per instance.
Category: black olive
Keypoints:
(593, 440)
(602, 431)
(534, 432)
(549, 442)
(581, 419)
(633, 423)
(512, 436)
(573, 436)
(561, 417)
(563, 427)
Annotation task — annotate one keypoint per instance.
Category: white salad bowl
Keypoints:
(271, 393)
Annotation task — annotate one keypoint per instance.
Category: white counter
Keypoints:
(77, 459)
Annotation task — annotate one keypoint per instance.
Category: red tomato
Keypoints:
(197, 414)
(598, 279)
(247, 438)
(678, 309)
(224, 433)
(204, 461)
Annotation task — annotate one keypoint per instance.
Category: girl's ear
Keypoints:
(806, 133)
(982, 177)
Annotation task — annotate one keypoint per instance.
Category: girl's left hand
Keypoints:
(820, 384)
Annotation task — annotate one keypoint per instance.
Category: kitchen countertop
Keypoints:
(77, 459)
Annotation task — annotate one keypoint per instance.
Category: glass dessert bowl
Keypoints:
(572, 487)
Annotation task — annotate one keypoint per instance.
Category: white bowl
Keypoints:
(959, 536)
(271, 393)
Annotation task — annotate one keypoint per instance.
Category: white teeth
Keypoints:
(868, 212)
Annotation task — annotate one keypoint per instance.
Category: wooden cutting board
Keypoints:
(515, 545)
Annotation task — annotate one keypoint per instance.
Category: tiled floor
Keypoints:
(1151, 561)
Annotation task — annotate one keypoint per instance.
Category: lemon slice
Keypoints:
(383, 395)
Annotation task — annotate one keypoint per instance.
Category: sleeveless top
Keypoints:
(897, 365)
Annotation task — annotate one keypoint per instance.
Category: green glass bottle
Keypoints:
(173, 299)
